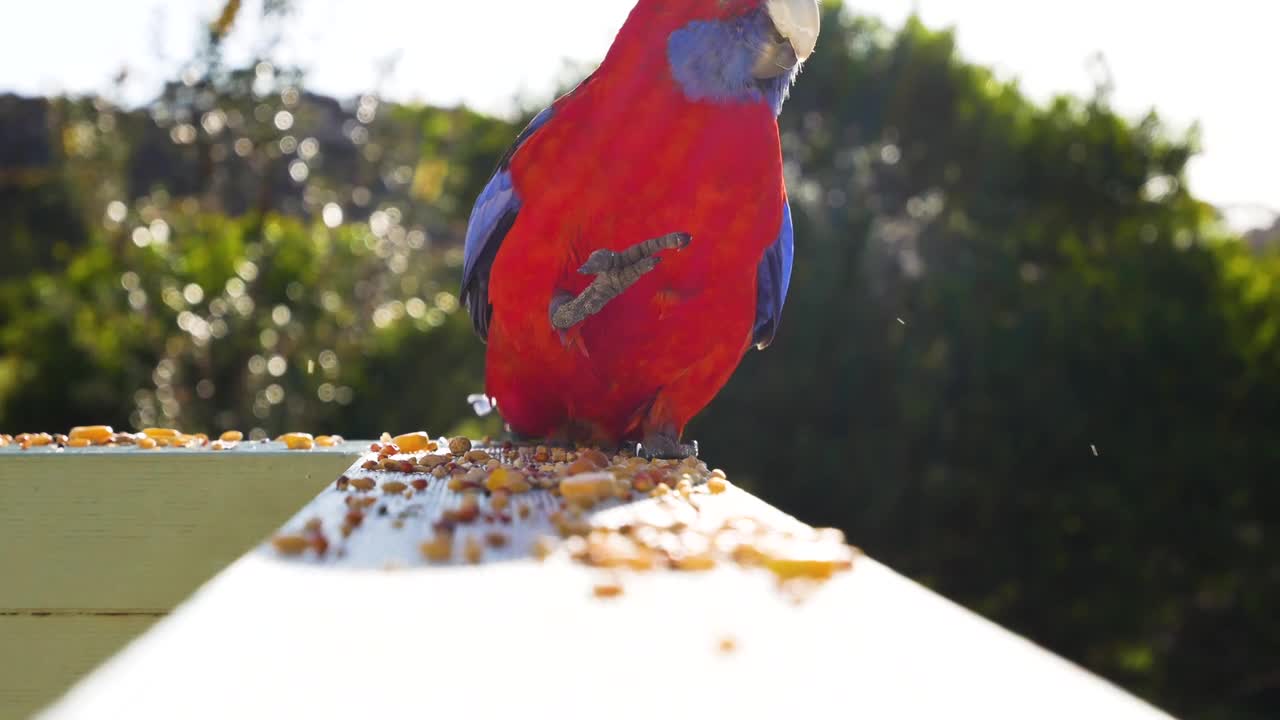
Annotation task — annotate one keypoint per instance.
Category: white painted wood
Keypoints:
(517, 638)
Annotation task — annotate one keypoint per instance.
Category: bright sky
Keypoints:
(1193, 61)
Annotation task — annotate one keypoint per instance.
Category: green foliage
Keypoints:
(1020, 362)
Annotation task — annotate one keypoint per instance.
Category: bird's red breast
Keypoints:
(627, 158)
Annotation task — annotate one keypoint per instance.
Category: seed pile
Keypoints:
(152, 438)
(615, 512)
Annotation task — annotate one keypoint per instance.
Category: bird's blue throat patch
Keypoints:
(712, 60)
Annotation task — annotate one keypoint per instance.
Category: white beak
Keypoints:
(799, 22)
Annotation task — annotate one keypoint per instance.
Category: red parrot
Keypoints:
(635, 242)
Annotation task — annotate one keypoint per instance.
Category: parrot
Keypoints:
(635, 241)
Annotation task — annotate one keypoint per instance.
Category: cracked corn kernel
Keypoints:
(290, 544)
(298, 441)
(500, 500)
(587, 485)
(231, 436)
(157, 433)
(95, 434)
(543, 547)
(502, 479)
(438, 549)
(607, 590)
(473, 551)
(717, 485)
(413, 442)
(35, 440)
(459, 445)
(328, 441)
(147, 443)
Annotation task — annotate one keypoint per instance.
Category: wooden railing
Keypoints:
(389, 594)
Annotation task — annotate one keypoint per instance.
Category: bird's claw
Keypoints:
(614, 273)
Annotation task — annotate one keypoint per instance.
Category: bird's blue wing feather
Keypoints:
(492, 217)
(773, 277)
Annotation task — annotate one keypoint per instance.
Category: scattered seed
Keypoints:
(438, 549)
(473, 551)
(607, 590)
(298, 441)
(393, 487)
(363, 484)
(459, 445)
(291, 544)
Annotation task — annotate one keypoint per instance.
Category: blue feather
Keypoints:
(492, 217)
(773, 278)
(712, 61)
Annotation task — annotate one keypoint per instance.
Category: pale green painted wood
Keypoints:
(128, 531)
(95, 545)
(42, 656)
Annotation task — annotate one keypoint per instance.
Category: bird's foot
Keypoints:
(665, 446)
(614, 273)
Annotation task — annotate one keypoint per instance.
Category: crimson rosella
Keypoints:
(636, 240)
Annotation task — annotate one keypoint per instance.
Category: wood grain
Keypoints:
(43, 655)
(138, 531)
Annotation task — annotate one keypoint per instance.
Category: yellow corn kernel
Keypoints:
(412, 442)
(587, 485)
(157, 433)
(696, 563)
(328, 441)
(231, 436)
(438, 549)
(95, 434)
(147, 443)
(473, 551)
(79, 442)
(501, 479)
(290, 544)
(500, 500)
(717, 485)
(607, 590)
(39, 440)
(298, 441)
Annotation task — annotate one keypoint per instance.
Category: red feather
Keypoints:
(627, 158)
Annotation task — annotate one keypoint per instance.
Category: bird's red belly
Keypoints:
(660, 351)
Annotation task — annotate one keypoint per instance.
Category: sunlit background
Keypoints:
(1198, 62)
(1031, 355)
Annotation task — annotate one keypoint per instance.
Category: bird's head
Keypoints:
(724, 50)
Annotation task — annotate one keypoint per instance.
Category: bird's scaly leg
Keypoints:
(664, 444)
(615, 272)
